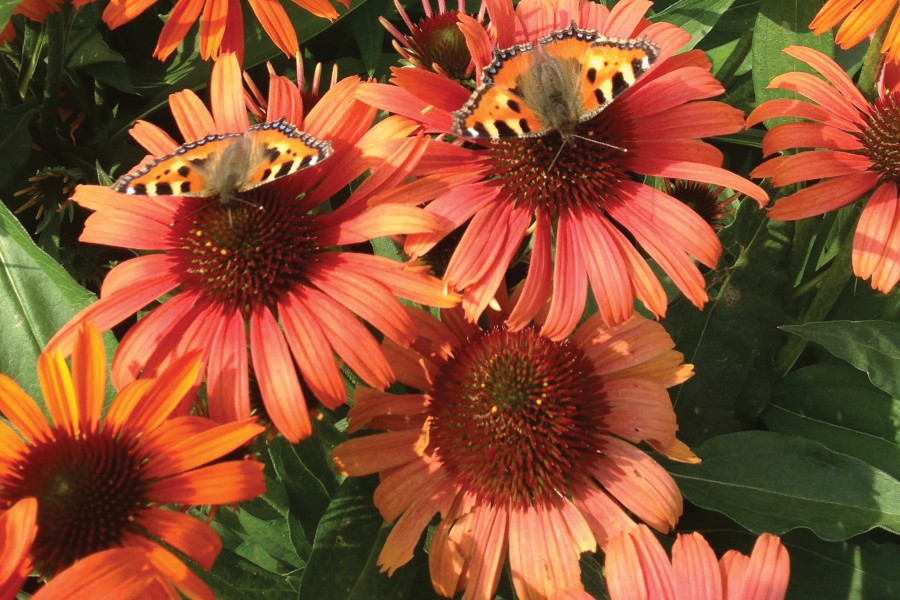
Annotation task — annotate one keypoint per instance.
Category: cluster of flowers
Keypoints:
(520, 421)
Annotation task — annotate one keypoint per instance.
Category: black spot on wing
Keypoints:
(481, 129)
(600, 96)
(513, 105)
(163, 189)
(284, 169)
(637, 65)
(504, 130)
(619, 84)
(592, 75)
(138, 188)
(185, 187)
(184, 170)
(267, 175)
(272, 154)
(523, 125)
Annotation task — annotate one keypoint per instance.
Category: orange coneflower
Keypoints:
(585, 218)
(101, 483)
(221, 23)
(858, 144)
(18, 526)
(637, 567)
(524, 445)
(861, 19)
(267, 272)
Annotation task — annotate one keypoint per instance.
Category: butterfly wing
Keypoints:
(496, 110)
(176, 174)
(609, 66)
(284, 150)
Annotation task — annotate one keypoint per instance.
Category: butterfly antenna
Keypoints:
(553, 162)
(599, 143)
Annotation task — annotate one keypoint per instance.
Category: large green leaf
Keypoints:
(350, 536)
(732, 341)
(836, 406)
(37, 297)
(771, 482)
(870, 346)
(697, 17)
(854, 570)
(779, 24)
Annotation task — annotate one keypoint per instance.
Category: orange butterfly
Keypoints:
(226, 164)
(568, 78)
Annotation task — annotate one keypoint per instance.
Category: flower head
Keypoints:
(861, 20)
(436, 42)
(221, 23)
(637, 567)
(579, 206)
(524, 446)
(857, 150)
(100, 483)
(268, 270)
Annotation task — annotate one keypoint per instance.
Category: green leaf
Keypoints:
(771, 482)
(697, 17)
(87, 47)
(350, 536)
(870, 346)
(15, 139)
(855, 570)
(731, 343)
(836, 406)
(779, 24)
(39, 297)
(369, 38)
(6, 10)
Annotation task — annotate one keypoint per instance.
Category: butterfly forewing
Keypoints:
(610, 67)
(208, 167)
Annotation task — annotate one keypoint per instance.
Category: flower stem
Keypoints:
(871, 67)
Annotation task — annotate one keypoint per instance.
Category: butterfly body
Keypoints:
(568, 78)
(224, 165)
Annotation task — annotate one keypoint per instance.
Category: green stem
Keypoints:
(871, 67)
(56, 48)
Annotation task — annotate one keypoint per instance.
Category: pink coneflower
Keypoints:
(856, 144)
(582, 218)
(524, 445)
(102, 482)
(264, 283)
(637, 568)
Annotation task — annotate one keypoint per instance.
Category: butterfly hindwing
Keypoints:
(176, 174)
(286, 150)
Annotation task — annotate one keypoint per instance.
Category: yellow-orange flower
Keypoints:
(861, 19)
(101, 482)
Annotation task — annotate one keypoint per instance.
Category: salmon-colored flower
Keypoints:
(268, 272)
(861, 19)
(583, 218)
(857, 145)
(221, 23)
(100, 483)
(36, 10)
(637, 568)
(18, 526)
(524, 445)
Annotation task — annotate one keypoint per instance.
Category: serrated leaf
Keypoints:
(836, 406)
(771, 482)
(780, 24)
(732, 341)
(870, 346)
(697, 17)
(350, 536)
(38, 297)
